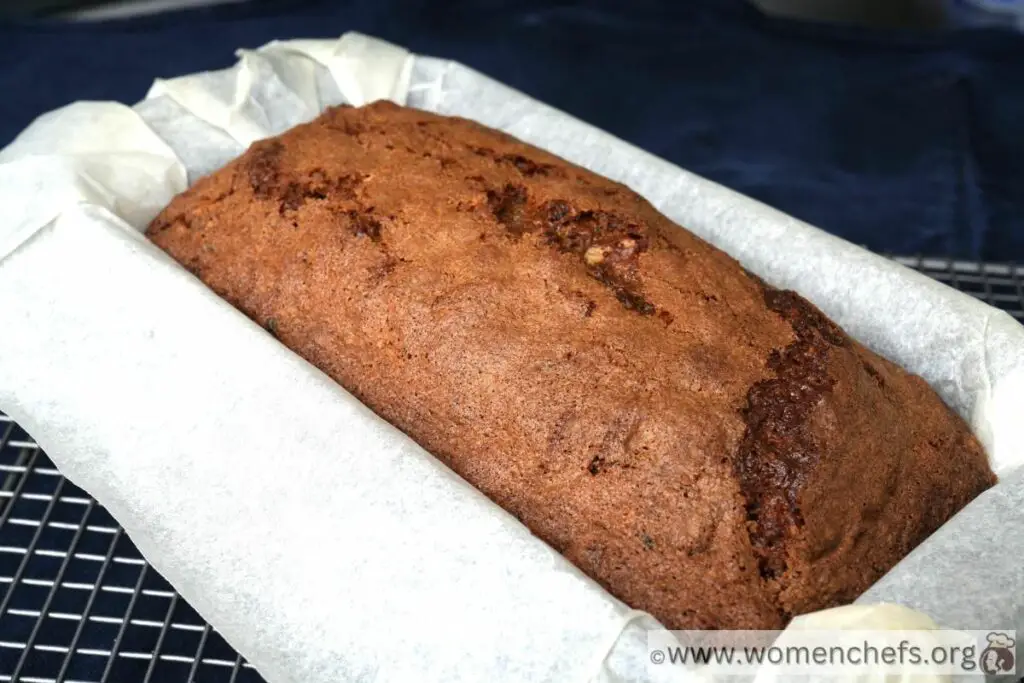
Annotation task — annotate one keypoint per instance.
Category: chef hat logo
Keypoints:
(998, 657)
(1000, 640)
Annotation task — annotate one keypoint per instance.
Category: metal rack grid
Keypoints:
(77, 601)
(78, 604)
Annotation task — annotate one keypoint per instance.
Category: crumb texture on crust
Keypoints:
(711, 450)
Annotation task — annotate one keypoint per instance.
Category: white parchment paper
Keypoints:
(324, 544)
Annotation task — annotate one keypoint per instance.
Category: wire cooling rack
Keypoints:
(78, 604)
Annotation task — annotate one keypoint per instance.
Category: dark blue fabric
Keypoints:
(906, 143)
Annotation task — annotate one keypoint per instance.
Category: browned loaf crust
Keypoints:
(710, 449)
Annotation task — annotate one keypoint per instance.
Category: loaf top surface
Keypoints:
(712, 450)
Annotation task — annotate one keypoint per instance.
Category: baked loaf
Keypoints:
(710, 449)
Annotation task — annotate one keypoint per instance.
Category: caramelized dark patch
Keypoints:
(364, 225)
(806, 320)
(528, 167)
(345, 186)
(609, 245)
(267, 181)
(263, 168)
(525, 165)
(296, 194)
(629, 299)
(778, 452)
(509, 207)
(873, 373)
(557, 211)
